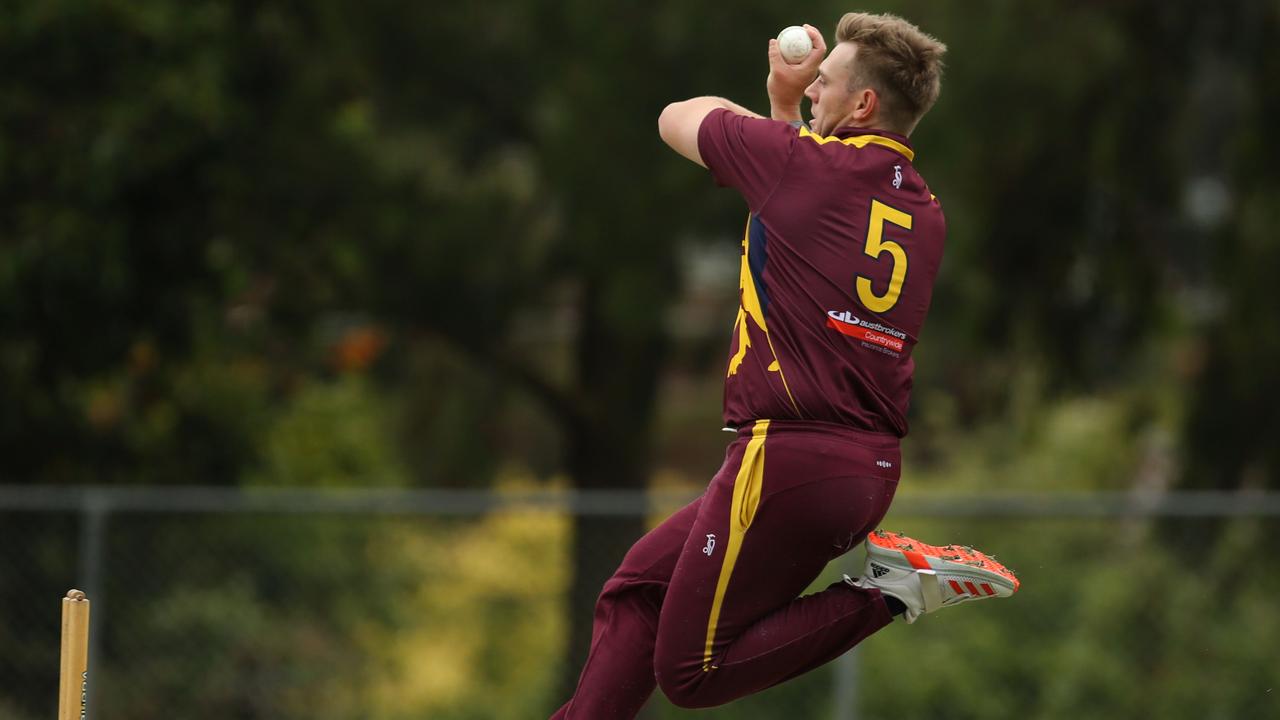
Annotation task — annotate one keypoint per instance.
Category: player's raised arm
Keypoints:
(788, 79)
(679, 122)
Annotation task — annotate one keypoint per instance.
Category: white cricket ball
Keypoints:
(794, 43)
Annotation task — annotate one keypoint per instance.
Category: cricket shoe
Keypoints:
(926, 578)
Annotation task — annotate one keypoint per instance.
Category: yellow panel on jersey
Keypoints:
(747, 488)
(861, 141)
(751, 308)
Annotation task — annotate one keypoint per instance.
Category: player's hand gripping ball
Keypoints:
(795, 44)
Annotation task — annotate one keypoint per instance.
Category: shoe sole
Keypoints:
(976, 574)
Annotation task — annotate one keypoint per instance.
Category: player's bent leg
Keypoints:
(732, 623)
(817, 629)
(617, 677)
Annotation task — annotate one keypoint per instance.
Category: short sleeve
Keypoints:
(744, 153)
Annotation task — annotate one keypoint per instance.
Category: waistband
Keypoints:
(867, 438)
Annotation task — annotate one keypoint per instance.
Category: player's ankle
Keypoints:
(896, 606)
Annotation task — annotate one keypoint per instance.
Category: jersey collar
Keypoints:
(862, 137)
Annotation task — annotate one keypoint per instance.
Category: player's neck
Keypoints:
(867, 123)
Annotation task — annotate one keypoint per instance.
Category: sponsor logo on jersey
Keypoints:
(711, 545)
(876, 334)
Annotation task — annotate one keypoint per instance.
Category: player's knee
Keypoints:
(684, 683)
(621, 590)
(683, 692)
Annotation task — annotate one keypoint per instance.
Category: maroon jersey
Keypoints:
(839, 256)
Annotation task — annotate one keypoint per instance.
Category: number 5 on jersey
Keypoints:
(875, 247)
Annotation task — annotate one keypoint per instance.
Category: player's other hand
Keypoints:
(786, 82)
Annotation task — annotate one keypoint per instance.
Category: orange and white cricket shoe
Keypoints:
(927, 578)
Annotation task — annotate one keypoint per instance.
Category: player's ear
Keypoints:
(866, 104)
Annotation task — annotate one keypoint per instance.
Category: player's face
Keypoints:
(831, 102)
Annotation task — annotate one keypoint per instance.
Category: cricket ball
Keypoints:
(794, 43)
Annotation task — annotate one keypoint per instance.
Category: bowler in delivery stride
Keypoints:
(839, 257)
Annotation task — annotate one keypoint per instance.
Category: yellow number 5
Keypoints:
(876, 245)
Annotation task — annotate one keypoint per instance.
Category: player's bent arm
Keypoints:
(679, 122)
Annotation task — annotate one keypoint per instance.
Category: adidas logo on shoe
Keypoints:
(877, 570)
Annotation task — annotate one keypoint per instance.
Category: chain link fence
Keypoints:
(243, 603)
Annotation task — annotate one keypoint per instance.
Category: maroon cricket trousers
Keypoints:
(707, 604)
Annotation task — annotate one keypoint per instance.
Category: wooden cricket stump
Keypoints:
(73, 682)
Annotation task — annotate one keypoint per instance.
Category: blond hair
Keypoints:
(899, 61)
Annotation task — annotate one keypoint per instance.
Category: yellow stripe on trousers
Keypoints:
(746, 498)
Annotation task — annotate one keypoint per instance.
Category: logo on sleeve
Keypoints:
(711, 545)
(897, 176)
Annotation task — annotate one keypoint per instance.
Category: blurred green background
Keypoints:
(421, 245)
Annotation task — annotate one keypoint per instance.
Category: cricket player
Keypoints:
(839, 257)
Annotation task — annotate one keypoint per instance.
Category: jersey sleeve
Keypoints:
(744, 153)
